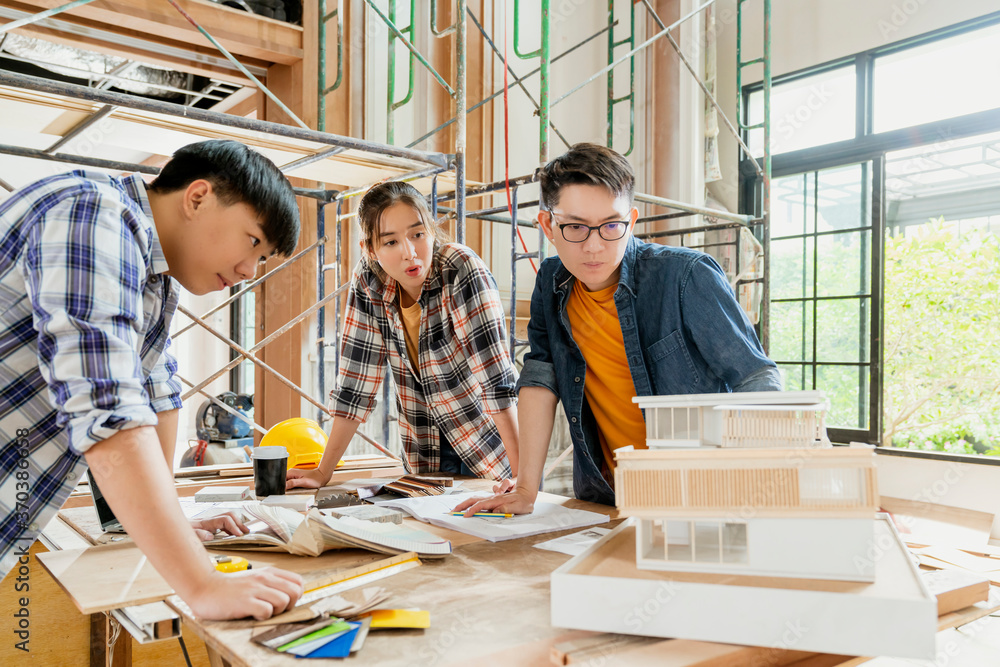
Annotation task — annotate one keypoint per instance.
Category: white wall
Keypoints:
(199, 355)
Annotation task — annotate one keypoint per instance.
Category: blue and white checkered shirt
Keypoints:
(84, 326)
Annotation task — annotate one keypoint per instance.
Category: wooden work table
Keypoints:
(490, 605)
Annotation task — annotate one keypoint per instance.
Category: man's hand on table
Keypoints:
(305, 479)
(512, 502)
(229, 523)
(505, 486)
(260, 593)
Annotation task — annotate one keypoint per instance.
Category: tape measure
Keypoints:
(231, 563)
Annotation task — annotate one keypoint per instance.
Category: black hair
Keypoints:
(381, 197)
(238, 176)
(586, 164)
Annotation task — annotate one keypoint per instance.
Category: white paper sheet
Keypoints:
(546, 518)
(574, 544)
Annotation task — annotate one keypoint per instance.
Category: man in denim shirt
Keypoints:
(611, 318)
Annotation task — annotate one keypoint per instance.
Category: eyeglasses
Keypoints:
(575, 232)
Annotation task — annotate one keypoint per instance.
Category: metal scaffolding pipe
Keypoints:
(516, 81)
(247, 355)
(491, 187)
(253, 283)
(631, 53)
(412, 49)
(35, 18)
(96, 117)
(691, 208)
(409, 176)
(461, 112)
(309, 159)
(260, 86)
(221, 404)
(39, 84)
(704, 88)
(77, 159)
(492, 218)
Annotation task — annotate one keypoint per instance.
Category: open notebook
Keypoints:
(546, 518)
(282, 529)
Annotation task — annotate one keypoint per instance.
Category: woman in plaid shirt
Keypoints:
(433, 311)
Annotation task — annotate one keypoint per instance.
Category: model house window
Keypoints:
(705, 541)
(832, 486)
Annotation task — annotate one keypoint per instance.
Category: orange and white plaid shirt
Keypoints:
(463, 374)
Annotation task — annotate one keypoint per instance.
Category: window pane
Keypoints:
(843, 330)
(806, 112)
(847, 388)
(792, 206)
(678, 540)
(950, 77)
(707, 539)
(841, 198)
(844, 264)
(734, 543)
(791, 331)
(792, 268)
(795, 377)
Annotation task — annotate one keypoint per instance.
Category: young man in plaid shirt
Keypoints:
(90, 269)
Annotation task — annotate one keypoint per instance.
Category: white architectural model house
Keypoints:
(745, 522)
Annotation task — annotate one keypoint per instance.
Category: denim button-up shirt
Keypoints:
(684, 333)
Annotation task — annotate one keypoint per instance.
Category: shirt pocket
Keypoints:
(674, 371)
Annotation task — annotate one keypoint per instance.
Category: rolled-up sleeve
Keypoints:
(538, 369)
(162, 385)
(479, 327)
(362, 357)
(85, 287)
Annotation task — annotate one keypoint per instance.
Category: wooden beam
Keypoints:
(242, 33)
(191, 65)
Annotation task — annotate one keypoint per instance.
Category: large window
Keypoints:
(885, 239)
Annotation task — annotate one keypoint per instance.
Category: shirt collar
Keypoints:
(136, 189)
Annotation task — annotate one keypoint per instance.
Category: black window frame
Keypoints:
(869, 147)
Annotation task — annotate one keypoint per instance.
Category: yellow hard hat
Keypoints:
(303, 438)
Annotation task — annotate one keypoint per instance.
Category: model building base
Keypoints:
(602, 590)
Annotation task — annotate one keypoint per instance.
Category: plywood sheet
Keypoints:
(105, 577)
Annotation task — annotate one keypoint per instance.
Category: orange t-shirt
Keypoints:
(411, 332)
(608, 386)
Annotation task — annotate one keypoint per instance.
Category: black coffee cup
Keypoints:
(270, 467)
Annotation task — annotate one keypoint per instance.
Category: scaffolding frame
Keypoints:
(436, 162)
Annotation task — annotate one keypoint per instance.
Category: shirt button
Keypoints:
(573, 419)
(576, 379)
(33, 527)
(71, 476)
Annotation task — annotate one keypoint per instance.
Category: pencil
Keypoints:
(505, 516)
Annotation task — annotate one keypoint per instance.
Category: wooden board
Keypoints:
(956, 590)
(105, 577)
(116, 575)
